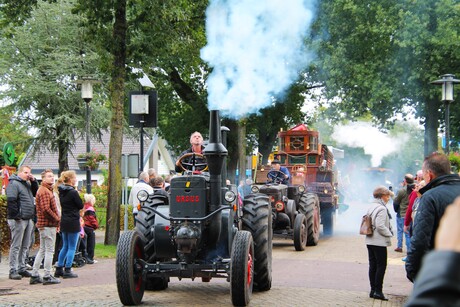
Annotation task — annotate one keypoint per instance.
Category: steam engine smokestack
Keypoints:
(215, 153)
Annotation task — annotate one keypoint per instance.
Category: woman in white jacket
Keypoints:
(377, 242)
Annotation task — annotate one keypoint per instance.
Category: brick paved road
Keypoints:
(334, 273)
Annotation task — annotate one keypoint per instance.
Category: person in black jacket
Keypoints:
(438, 283)
(70, 226)
(20, 194)
(441, 190)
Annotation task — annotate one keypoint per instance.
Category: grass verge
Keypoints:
(105, 251)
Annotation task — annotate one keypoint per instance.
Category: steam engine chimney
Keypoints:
(215, 153)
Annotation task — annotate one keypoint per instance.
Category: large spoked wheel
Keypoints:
(300, 232)
(242, 268)
(186, 165)
(257, 218)
(129, 269)
(311, 203)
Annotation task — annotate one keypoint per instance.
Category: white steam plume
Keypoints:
(374, 142)
(256, 49)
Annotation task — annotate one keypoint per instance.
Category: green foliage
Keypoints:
(454, 158)
(92, 158)
(130, 217)
(379, 57)
(12, 131)
(47, 54)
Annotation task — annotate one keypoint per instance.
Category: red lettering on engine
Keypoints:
(187, 199)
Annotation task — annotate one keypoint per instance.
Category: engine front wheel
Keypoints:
(128, 268)
(242, 268)
(300, 232)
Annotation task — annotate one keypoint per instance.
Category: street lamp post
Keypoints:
(87, 95)
(447, 83)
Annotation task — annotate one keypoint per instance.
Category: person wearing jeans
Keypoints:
(400, 204)
(70, 226)
(47, 221)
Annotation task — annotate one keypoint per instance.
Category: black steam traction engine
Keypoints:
(202, 233)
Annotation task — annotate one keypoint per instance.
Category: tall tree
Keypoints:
(378, 57)
(107, 21)
(40, 59)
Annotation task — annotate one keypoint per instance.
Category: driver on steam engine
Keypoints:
(193, 162)
(278, 173)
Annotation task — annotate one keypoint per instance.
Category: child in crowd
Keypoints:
(90, 225)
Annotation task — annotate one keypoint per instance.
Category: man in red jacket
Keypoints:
(47, 223)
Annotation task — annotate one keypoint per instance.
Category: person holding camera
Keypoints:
(20, 195)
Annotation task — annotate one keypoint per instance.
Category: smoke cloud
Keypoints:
(374, 142)
(256, 50)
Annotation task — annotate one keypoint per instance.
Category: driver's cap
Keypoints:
(276, 161)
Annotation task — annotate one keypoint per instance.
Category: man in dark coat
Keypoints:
(20, 214)
(438, 282)
(441, 190)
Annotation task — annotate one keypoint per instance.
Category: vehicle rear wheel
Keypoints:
(156, 283)
(327, 218)
(145, 220)
(257, 219)
(242, 268)
(130, 285)
(311, 203)
(300, 232)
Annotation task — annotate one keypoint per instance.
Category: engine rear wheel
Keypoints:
(311, 202)
(300, 232)
(242, 268)
(327, 218)
(257, 219)
(156, 283)
(130, 285)
(145, 220)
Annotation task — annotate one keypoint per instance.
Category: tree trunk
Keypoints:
(63, 149)
(431, 126)
(241, 150)
(112, 232)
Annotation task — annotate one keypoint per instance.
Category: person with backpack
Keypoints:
(378, 241)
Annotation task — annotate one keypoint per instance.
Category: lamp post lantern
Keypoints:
(87, 96)
(447, 82)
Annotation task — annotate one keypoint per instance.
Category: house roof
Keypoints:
(44, 158)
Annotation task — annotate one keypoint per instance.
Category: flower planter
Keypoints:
(83, 164)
